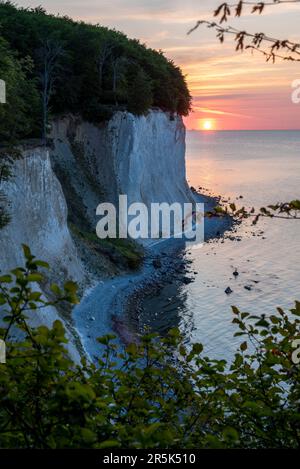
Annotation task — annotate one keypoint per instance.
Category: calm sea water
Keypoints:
(263, 167)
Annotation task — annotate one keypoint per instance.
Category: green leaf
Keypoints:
(42, 264)
(35, 277)
(244, 346)
(55, 289)
(71, 287)
(197, 349)
(26, 251)
(35, 296)
(5, 279)
(235, 310)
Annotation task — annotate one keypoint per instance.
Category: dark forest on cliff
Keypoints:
(53, 65)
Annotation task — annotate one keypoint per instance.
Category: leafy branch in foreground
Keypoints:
(272, 48)
(155, 394)
(285, 211)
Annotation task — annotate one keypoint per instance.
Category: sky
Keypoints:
(231, 91)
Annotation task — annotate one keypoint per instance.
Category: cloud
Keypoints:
(223, 97)
(205, 110)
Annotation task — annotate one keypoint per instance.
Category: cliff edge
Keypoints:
(54, 193)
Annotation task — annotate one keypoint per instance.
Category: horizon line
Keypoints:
(242, 130)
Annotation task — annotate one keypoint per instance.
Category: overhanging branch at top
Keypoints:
(271, 48)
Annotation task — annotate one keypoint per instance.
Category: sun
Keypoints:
(207, 124)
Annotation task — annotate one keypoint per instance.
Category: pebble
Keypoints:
(187, 280)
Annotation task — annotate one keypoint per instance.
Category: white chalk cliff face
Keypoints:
(39, 219)
(38, 213)
(143, 157)
(149, 158)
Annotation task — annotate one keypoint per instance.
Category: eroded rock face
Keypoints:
(39, 219)
(38, 212)
(142, 157)
(149, 158)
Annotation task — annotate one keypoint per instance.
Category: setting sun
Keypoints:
(207, 124)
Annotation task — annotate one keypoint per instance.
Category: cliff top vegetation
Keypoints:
(53, 65)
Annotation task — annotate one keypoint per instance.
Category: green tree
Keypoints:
(140, 96)
(96, 65)
(50, 56)
(17, 114)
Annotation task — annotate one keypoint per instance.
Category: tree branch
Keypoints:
(225, 9)
(257, 41)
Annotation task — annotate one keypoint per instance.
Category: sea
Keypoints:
(251, 169)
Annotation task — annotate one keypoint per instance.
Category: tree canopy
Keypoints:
(81, 68)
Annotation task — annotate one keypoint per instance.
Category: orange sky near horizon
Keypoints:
(230, 90)
(243, 92)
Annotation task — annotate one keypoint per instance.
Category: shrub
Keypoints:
(155, 394)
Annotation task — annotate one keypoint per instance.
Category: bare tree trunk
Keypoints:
(117, 65)
(45, 104)
(115, 71)
(50, 54)
(103, 56)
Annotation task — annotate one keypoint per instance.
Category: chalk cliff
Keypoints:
(142, 157)
(54, 192)
(39, 219)
(38, 211)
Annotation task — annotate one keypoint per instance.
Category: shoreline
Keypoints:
(113, 305)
